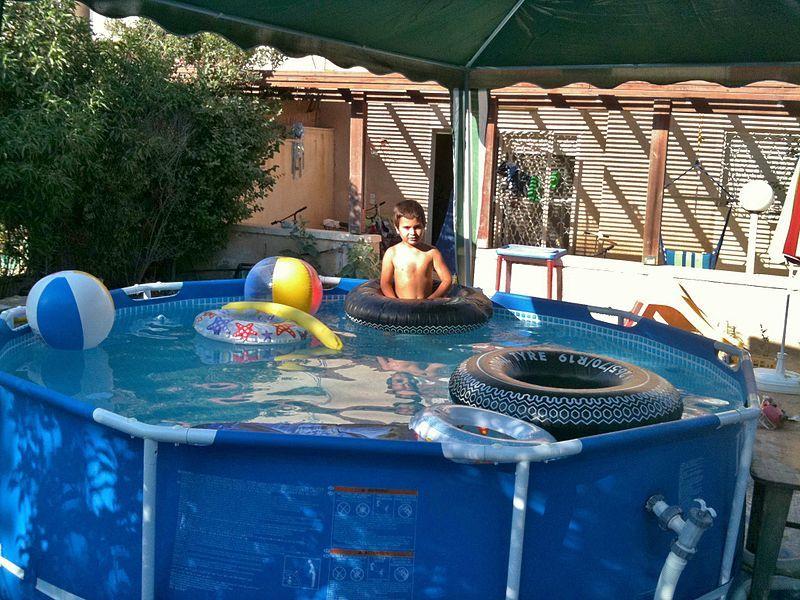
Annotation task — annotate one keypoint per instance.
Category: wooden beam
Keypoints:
(485, 212)
(651, 248)
(358, 143)
(768, 91)
(764, 98)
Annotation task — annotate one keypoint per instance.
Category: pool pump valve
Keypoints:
(684, 547)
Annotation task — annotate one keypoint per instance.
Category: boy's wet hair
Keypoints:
(410, 209)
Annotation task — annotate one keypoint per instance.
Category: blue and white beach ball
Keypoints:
(71, 310)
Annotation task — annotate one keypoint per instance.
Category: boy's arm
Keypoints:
(444, 274)
(387, 274)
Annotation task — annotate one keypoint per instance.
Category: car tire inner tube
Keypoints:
(569, 394)
(463, 309)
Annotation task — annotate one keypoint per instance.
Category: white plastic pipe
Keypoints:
(517, 530)
(157, 433)
(460, 451)
(676, 523)
(147, 289)
(13, 314)
(150, 468)
(670, 573)
(330, 281)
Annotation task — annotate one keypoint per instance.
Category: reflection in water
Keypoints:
(214, 352)
(86, 374)
(406, 380)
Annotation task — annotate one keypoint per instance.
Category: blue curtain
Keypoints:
(446, 243)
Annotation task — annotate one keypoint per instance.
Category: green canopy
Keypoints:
(500, 42)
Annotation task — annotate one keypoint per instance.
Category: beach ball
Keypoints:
(284, 280)
(71, 310)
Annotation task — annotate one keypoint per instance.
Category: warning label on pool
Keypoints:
(283, 541)
(233, 534)
(370, 575)
(372, 544)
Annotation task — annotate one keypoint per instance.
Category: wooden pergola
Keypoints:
(356, 89)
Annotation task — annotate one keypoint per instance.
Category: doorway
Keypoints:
(441, 181)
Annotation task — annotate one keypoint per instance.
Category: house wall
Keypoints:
(310, 186)
(400, 138)
(336, 117)
(399, 148)
(611, 169)
(692, 217)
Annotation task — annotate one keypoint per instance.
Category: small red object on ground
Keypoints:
(772, 416)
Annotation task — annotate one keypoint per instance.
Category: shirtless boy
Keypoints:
(408, 267)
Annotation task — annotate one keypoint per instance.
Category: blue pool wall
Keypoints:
(71, 502)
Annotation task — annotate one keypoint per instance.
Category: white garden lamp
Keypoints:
(755, 197)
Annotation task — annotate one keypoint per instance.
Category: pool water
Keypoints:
(156, 368)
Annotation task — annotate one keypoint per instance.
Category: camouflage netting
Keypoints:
(534, 202)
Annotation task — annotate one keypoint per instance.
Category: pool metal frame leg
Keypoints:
(517, 529)
(151, 435)
(150, 468)
(749, 418)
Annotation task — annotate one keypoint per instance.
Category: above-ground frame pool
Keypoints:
(256, 473)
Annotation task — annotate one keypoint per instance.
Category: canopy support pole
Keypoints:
(457, 119)
(651, 246)
(462, 181)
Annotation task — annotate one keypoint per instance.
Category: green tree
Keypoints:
(124, 154)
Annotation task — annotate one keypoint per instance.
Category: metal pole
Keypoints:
(780, 367)
(150, 468)
(466, 123)
(457, 121)
(519, 509)
(752, 236)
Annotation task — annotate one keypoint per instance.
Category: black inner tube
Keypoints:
(462, 309)
(540, 369)
(569, 394)
(562, 381)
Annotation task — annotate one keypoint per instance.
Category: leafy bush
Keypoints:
(305, 245)
(123, 155)
(362, 262)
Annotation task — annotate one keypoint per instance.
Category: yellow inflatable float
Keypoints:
(311, 324)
